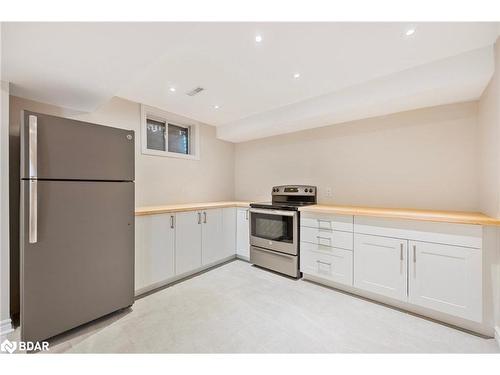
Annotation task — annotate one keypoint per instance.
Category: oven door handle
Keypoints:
(272, 212)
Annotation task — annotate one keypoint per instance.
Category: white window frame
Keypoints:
(162, 116)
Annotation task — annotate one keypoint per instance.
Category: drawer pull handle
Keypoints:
(324, 221)
(324, 238)
(325, 263)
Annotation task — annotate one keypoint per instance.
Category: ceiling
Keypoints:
(347, 71)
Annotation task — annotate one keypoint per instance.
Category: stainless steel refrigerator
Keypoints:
(76, 223)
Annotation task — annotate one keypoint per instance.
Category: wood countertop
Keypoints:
(459, 217)
(152, 210)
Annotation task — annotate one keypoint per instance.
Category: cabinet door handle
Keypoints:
(414, 253)
(172, 221)
(205, 217)
(246, 215)
(401, 252)
(199, 217)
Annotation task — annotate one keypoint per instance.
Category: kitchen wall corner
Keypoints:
(489, 192)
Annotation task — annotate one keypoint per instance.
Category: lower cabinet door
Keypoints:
(446, 278)
(380, 265)
(154, 249)
(326, 262)
(242, 233)
(229, 230)
(212, 239)
(187, 241)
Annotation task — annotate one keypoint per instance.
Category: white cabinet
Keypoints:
(187, 241)
(446, 278)
(229, 232)
(326, 237)
(327, 221)
(212, 238)
(202, 238)
(174, 245)
(243, 233)
(326, 262)
(154, 249)
(380, 265)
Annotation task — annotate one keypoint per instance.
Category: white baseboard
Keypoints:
(6, 327)
(497, 334)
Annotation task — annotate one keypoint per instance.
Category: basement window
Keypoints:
(164, 136)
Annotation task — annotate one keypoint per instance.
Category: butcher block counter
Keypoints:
(458, 217)
(406, 213)
(152, 210)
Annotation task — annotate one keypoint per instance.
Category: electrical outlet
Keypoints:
(328, 192)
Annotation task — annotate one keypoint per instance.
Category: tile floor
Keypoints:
(238, 308)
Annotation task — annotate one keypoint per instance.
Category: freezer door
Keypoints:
(58, 148)
(77, 253)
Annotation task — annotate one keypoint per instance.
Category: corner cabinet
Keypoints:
(243, 233)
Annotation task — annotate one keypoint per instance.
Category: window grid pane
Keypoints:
(178, 139)
(155, 131)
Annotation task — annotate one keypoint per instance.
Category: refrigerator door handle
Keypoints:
(33, 211)
(33, 138)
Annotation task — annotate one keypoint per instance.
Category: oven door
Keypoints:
(274, 229)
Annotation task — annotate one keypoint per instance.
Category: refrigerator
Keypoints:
(76, 223)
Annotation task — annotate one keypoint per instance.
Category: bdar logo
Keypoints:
(8, 346)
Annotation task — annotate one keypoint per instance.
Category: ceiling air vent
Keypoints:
(195, 91)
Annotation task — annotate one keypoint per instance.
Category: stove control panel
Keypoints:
(294, 190)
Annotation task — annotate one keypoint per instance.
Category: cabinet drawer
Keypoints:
(273, 260)
(328, 263)
(330, 222)
(330, 238)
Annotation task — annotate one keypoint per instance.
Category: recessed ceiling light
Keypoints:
(410, 31)
(296, 75)
(172, 89)
(216, 106)
(258, 38)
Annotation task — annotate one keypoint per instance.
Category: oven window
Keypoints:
(272, 227)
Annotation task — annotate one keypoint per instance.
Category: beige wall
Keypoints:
(489, 135)
(426, 158)
(159, 180)
(489, 182)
